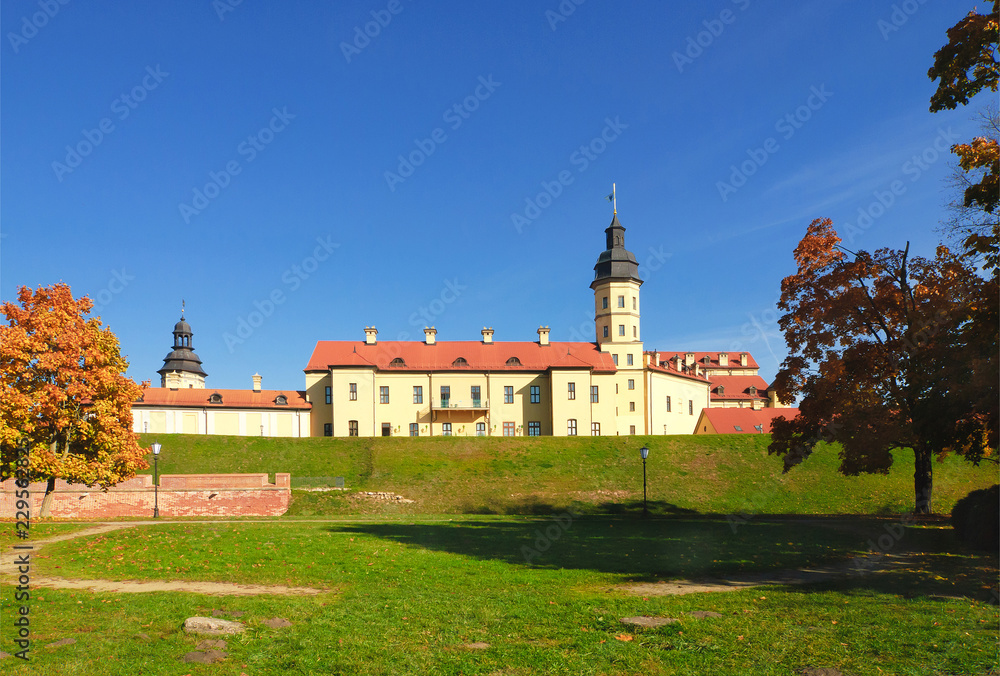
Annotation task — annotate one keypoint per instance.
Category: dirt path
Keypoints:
(7, 572)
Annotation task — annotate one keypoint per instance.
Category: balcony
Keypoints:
(459, 404)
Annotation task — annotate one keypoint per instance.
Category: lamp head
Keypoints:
(156, 447)
(644, 452)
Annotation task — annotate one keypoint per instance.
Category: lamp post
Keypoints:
(156, 486)
(644, 452)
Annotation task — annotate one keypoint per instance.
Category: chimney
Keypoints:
(371, 335)
(429, 335)
(543, 335)
(256, 382)
(677, 362)
(689, 358)
(723, 359)
(487, 336)
(743, 358)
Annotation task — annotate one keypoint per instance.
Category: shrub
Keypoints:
(976, 518)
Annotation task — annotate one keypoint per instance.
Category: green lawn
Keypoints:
(496, 475)
(410, 596)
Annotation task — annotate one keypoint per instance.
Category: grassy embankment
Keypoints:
(704, 474)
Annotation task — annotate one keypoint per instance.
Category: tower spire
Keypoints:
(182, 308)
(611, 198)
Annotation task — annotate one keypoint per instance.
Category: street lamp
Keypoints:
(644, 452)
(156, 488)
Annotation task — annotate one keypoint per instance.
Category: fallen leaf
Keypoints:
(624, 637)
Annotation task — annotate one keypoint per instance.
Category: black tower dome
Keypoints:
(182, 357)
(616, 263)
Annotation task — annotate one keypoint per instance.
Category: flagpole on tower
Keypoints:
(611, 198)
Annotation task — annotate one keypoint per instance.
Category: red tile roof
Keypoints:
(418, 356)
(699, 357)
(668, 367)
(738, 387)
(199, 398)
(726, 420)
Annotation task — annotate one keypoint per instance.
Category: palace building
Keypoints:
(612, 386)
(484, 387)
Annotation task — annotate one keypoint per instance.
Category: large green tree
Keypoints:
(63, 393)
(878, 354)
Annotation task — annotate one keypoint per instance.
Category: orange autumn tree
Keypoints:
(63, 394)
(882, 357)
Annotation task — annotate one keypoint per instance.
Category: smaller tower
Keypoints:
(182, 367)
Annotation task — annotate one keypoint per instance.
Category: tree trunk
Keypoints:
(50, 487)
(923, 479)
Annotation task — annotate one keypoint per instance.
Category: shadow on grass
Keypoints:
(534, 506)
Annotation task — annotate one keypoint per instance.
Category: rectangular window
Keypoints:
(605, 332)
(614, 358)
(534, 429)
(508, 394)
(571, 427)
(536, 394)
(635, 332)
(418, 394)
(477, 399)
(327, 429)
(352, 428)
(571, 391)
(414, 429)
(690, 407)
(386, 429)
(621, 329)
(668, 404)
(631, 429)
(593, 394)
(621, 301)
(445, 395)
(353, 387)
(329, 394)
(595, 429)
(634, 306)
(383, 394)
(631, 384)
(508, 429)
(631, 406)
(628, 359)
(480, 429)
(446, 429)
(604, 303)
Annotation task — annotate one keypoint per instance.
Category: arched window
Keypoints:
(216, 398)
(460, 362)
(281, 400)
(398, 361)
(513, 361)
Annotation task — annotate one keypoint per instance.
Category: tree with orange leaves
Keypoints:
(64, 394)
(879, 352)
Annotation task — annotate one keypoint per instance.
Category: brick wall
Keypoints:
(178, 495)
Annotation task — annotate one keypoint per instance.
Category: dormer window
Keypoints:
(707, 359)
(460, 362)
(398, 361)
(281, 400)
(753, 391)
(216, 398)
(513, 361)
(721, 390)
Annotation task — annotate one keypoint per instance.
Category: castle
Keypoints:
(612, 386)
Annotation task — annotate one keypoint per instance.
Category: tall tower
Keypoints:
(616, 292)
(182, 367)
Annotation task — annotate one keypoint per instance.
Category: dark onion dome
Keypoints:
(617, 262)
(182, 357)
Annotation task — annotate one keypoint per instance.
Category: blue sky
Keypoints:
(297, 171)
